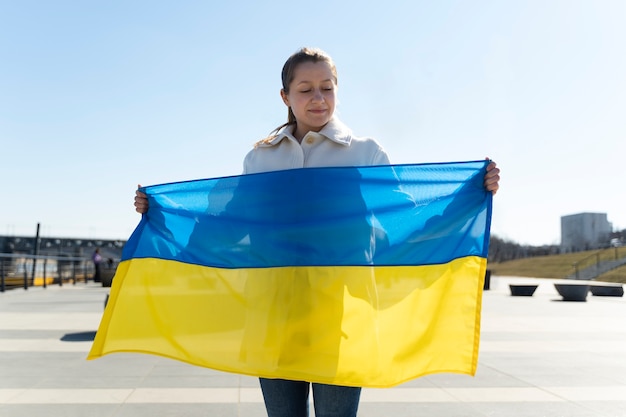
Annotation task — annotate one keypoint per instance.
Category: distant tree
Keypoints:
(501, 250)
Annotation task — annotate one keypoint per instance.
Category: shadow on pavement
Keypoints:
(79, 337)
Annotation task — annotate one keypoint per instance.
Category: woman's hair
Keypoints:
(289, 70)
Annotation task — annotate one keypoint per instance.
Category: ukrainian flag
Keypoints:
(356, 276)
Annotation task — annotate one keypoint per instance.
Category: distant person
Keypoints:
(97, 264)
(313, 137)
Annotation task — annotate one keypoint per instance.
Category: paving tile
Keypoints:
(539, 356)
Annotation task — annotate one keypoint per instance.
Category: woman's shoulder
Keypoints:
(271, 154)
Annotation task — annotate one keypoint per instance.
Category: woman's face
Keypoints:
(311, 97)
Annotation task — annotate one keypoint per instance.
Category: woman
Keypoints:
(313, 137)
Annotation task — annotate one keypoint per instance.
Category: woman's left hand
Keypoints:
(492, 177)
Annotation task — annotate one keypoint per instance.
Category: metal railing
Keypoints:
(21, 270)
(596, 259)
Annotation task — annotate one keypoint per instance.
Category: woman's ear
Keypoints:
(283, 95)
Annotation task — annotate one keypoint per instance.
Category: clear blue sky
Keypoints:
(96, 97)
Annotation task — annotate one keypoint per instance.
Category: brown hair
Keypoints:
(288, 73)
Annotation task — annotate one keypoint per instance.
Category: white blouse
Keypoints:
(333, 146)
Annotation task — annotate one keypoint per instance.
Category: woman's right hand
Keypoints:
(141, 201)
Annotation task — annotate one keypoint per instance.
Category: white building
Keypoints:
(585, 231)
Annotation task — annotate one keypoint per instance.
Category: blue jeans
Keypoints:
(291, 399)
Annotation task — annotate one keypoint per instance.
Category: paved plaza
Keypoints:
(539, 356)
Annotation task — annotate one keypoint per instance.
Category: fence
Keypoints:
(596, 259)
(20, 270)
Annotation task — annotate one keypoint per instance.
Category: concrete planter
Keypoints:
(522, 290)
(573, 292)
(607, 290)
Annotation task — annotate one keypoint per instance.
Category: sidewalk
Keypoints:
(539, 356)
